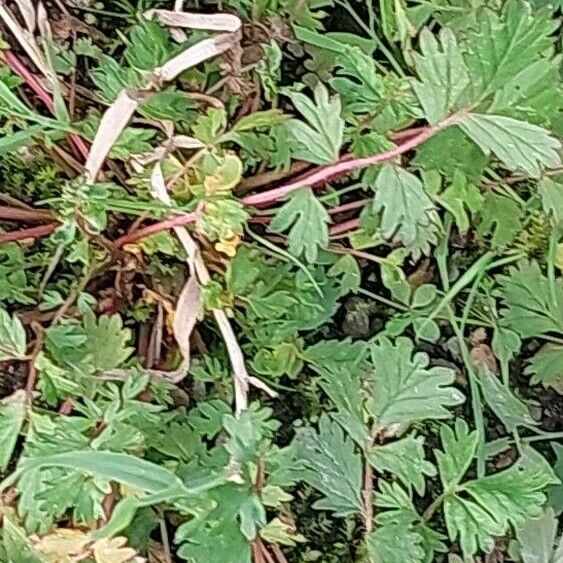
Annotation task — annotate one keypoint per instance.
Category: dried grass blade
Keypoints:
(186, 314)
(211, 22)
(194, 55)
(26, 40)
(113, 122)
(28, 13)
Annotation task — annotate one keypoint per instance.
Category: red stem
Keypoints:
(33, 232)
(165, 225)
(345, 227)
(349, 206)
(19, 68)
(9, 213)
(345, 165)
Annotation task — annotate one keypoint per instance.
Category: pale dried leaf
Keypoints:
(27, 42)
(211, 22)
(112, 124)
(185, 317)
(185, 142)
(197, 266)
(194, 55)
(62, 545)
(113, 551)
(28, 13)
(43, 20)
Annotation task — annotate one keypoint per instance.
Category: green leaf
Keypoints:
(12, 337)
(395, 543)
(474, 526)
(149, 45)
(123, 468)
(332, 466)
(168, 104)
(306, 219)
(336, 354)
(343, 385)
(436, 154)
(536, 539)
(347, 269)
(517, 144)
(442, 75)
(502, 217)
(459, 196)
(555, 492)
(281, 533)
(551, 193)
(405, 389)
(222, 526)
(495, 502)
(248, 432)
(110, 78)
(532, 95)
(459, 446)
(546, 366)
(319, 140)
(259, 120)
(12, 416)
(529, 306)
(408, 215)
(106, 341)
(511, 410)
(404, 459)
(501, 46)
(15, 541)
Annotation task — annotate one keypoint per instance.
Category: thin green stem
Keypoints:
(553, 240)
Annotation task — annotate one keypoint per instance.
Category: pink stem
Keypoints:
(345, 165)
(345, 227)
(166, 225)
(349, 206)
(19, 68)
(33, 232)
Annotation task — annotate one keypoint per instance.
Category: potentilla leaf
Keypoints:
(516, 494)
(500, 219)
(546, 366)
(442, 76)
(332, 466)
(511, 410)
(344, 388)
(12, 337)
(518, 145)
(536, 540)
(12, 416)
(551, 193)
(306, 219)
(530, 309)
(405, 389)
(502, 45)
(395, 543)
(404, 459)
(477, 511)
(459, 446)
(321, 137)
(408, 214)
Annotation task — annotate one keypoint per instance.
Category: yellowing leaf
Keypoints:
(228, 246)
(225, 177)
